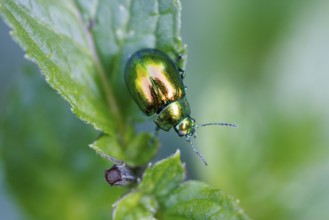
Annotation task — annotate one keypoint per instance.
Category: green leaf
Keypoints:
(162, 195)
(196, 200)
(135, 205)
(53, 36)
(140, 149)
(163, 177)
(45, 166)
(82, 46)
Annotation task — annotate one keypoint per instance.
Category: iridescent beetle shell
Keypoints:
(156, 85)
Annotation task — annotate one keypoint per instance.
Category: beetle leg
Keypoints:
(156, 132)
(181, 72)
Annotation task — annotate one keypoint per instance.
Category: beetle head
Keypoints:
(186, 127)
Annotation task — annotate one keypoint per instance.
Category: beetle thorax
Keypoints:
(173, 115)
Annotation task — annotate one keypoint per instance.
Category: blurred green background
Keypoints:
(261, 64)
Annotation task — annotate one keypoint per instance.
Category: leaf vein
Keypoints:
(111, 101)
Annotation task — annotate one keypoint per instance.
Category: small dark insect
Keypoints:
(119, 175)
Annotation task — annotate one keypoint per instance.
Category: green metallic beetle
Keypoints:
(156, 84)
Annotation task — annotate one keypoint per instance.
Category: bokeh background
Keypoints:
(261, 64)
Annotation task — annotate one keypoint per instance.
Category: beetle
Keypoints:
(156, 84)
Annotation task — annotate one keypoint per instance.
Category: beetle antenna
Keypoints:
(188, 139)
(218, 124)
